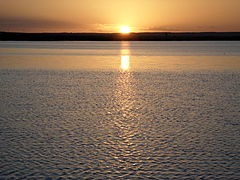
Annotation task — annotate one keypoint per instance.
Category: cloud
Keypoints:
(161, 28)
(35, 25)
(210, 28)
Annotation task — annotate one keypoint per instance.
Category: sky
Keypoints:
(109, 15)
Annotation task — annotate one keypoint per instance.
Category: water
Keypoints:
(120, 110)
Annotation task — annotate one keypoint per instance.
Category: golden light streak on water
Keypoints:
(125, 149)
(125, 56)
(125, 62)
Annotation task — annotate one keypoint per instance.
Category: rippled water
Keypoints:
(131, 115)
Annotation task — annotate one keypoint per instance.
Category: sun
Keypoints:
(125, 29)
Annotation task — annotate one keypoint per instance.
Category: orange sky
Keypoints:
(109, 15)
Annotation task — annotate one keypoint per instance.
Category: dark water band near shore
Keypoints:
(157, 36)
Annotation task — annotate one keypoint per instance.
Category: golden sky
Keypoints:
(109, 15)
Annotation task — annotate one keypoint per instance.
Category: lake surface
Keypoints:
(120, 110)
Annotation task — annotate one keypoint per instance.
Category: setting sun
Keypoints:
(125, 29)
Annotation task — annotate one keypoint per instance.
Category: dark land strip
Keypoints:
(157, 36)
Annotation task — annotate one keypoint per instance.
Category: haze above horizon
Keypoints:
(105, 16)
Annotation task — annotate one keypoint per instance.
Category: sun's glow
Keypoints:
(125, 29)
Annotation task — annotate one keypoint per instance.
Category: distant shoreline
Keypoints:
(151, 36)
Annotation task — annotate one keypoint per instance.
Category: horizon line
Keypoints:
(142, 32)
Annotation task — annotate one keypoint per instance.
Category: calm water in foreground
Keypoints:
(120, 110)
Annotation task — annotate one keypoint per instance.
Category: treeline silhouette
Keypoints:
(157, 36)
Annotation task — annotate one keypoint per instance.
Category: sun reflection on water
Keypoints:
(126, 117)
(125, 123)
(125, 56)
(125, 62)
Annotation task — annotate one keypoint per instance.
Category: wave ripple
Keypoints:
(119, 125)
